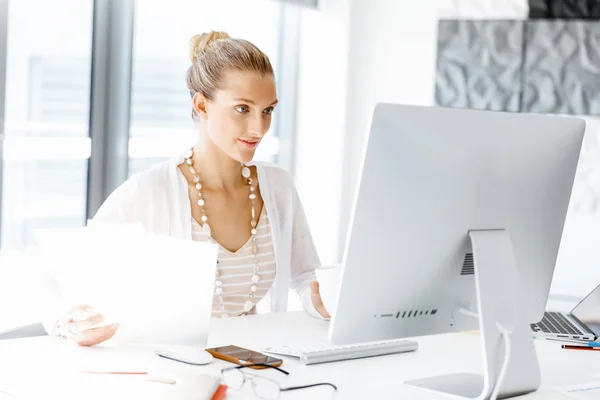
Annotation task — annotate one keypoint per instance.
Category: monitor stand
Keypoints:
(498, 301)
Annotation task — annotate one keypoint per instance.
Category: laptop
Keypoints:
(582, 323)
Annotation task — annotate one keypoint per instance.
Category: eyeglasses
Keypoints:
(265, 388)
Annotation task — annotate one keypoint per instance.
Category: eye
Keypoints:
(242, 109)
(269, 110)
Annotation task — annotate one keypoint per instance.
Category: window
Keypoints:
(161, 125)
(46, 145)
(47, 109)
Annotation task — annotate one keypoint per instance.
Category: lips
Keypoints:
(249, 143)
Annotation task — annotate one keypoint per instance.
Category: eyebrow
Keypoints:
(252, 102)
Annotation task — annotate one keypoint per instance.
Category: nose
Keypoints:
(258, 126)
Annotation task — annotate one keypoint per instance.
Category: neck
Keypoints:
(216, 169)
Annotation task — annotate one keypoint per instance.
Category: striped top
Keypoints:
(238, 267)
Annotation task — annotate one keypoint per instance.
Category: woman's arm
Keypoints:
(304, 259)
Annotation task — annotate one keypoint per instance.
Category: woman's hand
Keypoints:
(317, 301)
(78, 325)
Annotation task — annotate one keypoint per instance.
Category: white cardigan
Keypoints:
(158, 199)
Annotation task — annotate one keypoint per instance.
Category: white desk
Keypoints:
(379, 377)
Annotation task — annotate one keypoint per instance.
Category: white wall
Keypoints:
(353, 54)
(578, 265)
(391, 59)
(321, 118)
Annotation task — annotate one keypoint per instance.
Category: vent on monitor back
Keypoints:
(468, 267)
(405, 314)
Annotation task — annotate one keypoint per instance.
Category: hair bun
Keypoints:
(198, 43)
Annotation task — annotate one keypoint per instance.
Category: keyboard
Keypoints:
(316, 353)
(555, 322)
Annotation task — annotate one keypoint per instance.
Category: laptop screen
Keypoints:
(588, 311)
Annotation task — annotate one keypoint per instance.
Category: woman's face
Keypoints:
(239, 115)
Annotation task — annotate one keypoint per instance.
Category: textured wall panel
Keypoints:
(479, 64)
(539, 8)
(487, 9)
(572, 9)
(562, 67)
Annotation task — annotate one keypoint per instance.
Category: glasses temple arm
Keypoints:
(308, 386)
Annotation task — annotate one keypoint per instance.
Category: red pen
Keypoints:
(574, 347)
(151, 378)
(115, 372)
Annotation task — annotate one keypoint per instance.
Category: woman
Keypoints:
(214, 193)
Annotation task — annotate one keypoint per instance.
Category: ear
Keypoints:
(199, 102)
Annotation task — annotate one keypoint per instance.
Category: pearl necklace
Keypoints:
(255, 278)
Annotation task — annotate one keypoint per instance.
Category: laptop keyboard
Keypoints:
(554, 322)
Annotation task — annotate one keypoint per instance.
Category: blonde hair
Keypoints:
(215, 53)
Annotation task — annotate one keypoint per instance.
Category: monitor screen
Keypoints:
(588, 311)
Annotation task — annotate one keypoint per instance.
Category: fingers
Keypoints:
(95, 336)
(314, 287)
(80, 322)
(76, 327)
(317, 301)
(80, 312)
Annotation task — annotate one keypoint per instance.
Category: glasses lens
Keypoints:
(265, 388)
(233, 378)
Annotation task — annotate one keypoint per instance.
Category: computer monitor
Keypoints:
(459, 213)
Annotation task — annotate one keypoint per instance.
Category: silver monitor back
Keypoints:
(430, 175)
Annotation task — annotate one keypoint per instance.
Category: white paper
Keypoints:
(582, 391)
(77, 386)
(109, 359)
(55, 369)
(158, 288)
